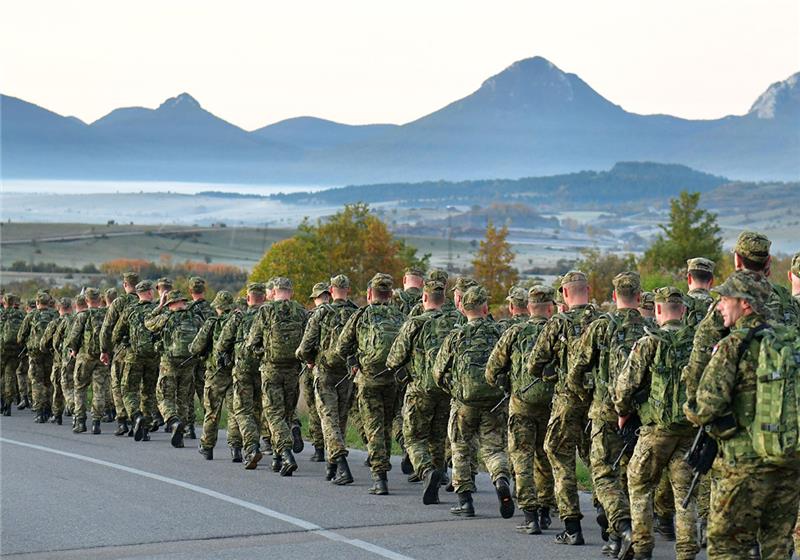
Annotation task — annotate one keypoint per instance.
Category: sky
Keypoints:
(366, 61)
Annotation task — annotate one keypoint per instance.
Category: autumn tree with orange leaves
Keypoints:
(493, 264)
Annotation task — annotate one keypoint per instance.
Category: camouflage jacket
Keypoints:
(233, 339)
(506, 322)
(32, 329)
(322, 331)
(84, 336)
(405, 300)
(129, 324)
(202, 308)
(49, 343)
(12, 321)
(273, 314)
(203, 345)
(168, 324)
(447, 307)
(115, 311)
(698, 303)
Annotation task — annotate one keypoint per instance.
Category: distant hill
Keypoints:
(531, 119)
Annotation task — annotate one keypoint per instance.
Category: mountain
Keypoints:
(531, 119)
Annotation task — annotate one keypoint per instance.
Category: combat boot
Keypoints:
(80, 426)
(58, 419)
(702, 530)
(74, 423)
(177, 432)
(381, 485)
(643, 556)
(612, 547)
(107, 416)
(572, 533)
(625, 537)
(405, 464)
(7, 409)
(39, 417)
(465, 508)
(67, 411)
(297, 439)
(122, 428)
(445, 479)
(665, 526)
(207, 452)
(25, 403)
(342, 474)
(190, 432)
(531, 524)
(504, 496)
(755, 552)
(276, 462)
(236, 454)
(96, 427)
(319, 455)
(413, 478)
(267, 445)
(430, 488)
(544, 518)
(330, 471)
(289, 464)
(602, 521)
(252, 457)
(138, 429)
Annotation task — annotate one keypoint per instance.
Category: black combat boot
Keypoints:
(74, 423)
(145, 434)
(755, 552)
(190, 432)
(702, 530)
(276, 462)
(266, 445)
(251, 457)
(445, 479)
(531, 524)
(405, 464)
(207, 452)
(297, 439)
(544, 518)
(504, 497)
(80, 426)
(108, 416)
(138, 428)
(342, 474)
(625, 536)
(413, 478)
(177, 432)
(611, 548)
(330, 471)
(236, 454)
(289, 464)
(319, 455)
(38, 417)
(665, 526)
(25, 403)
(430, 488)
(572, 533)
(58, 419)
(96, 427)
(67, 411)
(465, 508)
(602, 521)
(381, 486)
(122, 428)
(6, 409)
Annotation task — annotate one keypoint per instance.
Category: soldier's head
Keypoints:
(197, 288)
(541, 301)
(414, 277)
(744, 292)
(163, 285)
(379, 289)
(43, 300)
(794, 274)
(517, 301)
(320, 293)
(281, 289)
(647, 304)
(10, 300)
(223, 302)
(144, 290)
(64, 306)
(80, 302)
(574, 288)
(669, 304)
(256, 294)
(627, 290)
(752, 252)
(269, 288)
(438, 275)
(462, 284)
(475, 302)
(129, 281)
(700, 273)
(93, 298)
(175, 300)
(110, 295)
(433, 295)
(340, 287)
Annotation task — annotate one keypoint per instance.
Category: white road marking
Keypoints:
(297, 522)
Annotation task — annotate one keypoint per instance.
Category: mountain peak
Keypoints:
(529, 73)
(779, 97)
(182, 101)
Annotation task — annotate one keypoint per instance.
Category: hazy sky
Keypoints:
(254, 63)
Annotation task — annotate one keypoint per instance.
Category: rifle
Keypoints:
(352, 365)
(186, 361)
(700, 457)
(630, 435)
(22, 353)
(522, 392)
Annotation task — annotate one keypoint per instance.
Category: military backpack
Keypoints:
(39, 321)
(179, 333)
(471, 353)
(377, 328)
(623, 332)
(664, 403)
(284, 330)
(142, 340)
(541, 392)
(431, 337)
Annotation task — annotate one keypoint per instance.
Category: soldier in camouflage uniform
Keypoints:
(40, 362)
(460, 369)
(115, 355)
(200, 307)
(411, 294)
(333, 386)
(517, 308)
(163, 285)
(320, 295)
(755, 494)
(84, 343)
(368, 336)
(24, 381)
(10, 349)
(246, 377)
(218, 379)
(529, 410)
(67, 359)
(178, 326)
(426, 406)
(647, 308)
(794, 277)
(567, 429)
(650, 386)
(51, 341)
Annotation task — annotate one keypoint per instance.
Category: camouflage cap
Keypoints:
(699, 263)
(223, 300)
(474, 298)
(111, 294)
(541, 294)
(65, 302)
(437, 275)
(31, 303)
(753, 246)
(648, 301)
(174, 296)
(132, 278)
(571, 277)
(414, 271)
(165, 282)
(517, 296)
(241, 302)
(80, 300)
(340, 281)
(464, 283)
(381, 282)
(256, 288)
(92, 294)
(668, 294)
(144, 286)
(433, 286)
(269, 284)
(11, 299)
(746, 285)
(319, 289)
(281, 283)
(627, 283)
(796, 264)
(197, 284)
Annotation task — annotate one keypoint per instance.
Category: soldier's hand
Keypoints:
(622, 420)
(163, 299)
(72, 353)
(105, 358)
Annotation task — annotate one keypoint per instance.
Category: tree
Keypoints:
(691, 232)
(600, 269)
(493, 263)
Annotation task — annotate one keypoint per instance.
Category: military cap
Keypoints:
(223, 300)
(131, 277)
(706, 265)
(753, 246)
(11, 299)
(111, 294)
(381, 282)
(319, 289)
(164, 281)
(474, 297)
(541, 294)
(464, 283)
(281, 283)
(197, 284)
(648, 301)
(31, 303)
(92, 294)
(438, 275)
(796, 264)
(518, 296)
(80, 300)
(65, 302)
(269, 284)
(414, 271)
(241, 302)
(571, 277)
(627, 283)
(340, 281)
(144, 286)
(174, 296)
(747, 285)
(256, 288)
(668, 294)
(431, 286)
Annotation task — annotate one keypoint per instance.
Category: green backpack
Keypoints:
(378, 327)
(39, 322)
(336, 316)
(180, 332)
(622, 335)
(471, 353)
(142, 340)
(775, 429)
(540, 393)
(91, 330)
(696, 310)
(664, 405)
(287, 322)
(431, 338)
(783, 308)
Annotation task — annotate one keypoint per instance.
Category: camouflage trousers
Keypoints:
(139, 381)
(355, 415)
(470, 422)
(8, 377)
(314, 425)
(280, 391)
(117, 372)
(68, 382)
(399, 412)
(247, 401)
(199, 384)
(664, 499)
(749, 503)
(610, 485)
(218, 391)
(566, 433)
(23, 381)
(796, 535)
(174, 390)
(39, 369)
(376, 404)
(333, 405)
(533, 474)
(89, 370)
(659, 450)
(425, 418)
(57, 401)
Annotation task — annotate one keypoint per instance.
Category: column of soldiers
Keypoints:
(526, 396)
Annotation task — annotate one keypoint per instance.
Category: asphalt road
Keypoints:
(66, 496)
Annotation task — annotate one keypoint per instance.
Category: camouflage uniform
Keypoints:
(405, 300)
(52, 341)
(84, 341)
(203, 310)
(10, 349)
(40, 362)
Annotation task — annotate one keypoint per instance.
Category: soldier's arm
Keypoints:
(75, 338)
(544, 351)
(202, 340)
(715, 390)
(24, 329)
(309, 346)
(156, 319)
(709, 332)
(121, 328)
(255, 338)
(403, 345)
(110, 321)
(499, 361)
(347, 341)
(227, 338)
(46, 342)
(586, 356)
(633, 375)
(442, 363)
